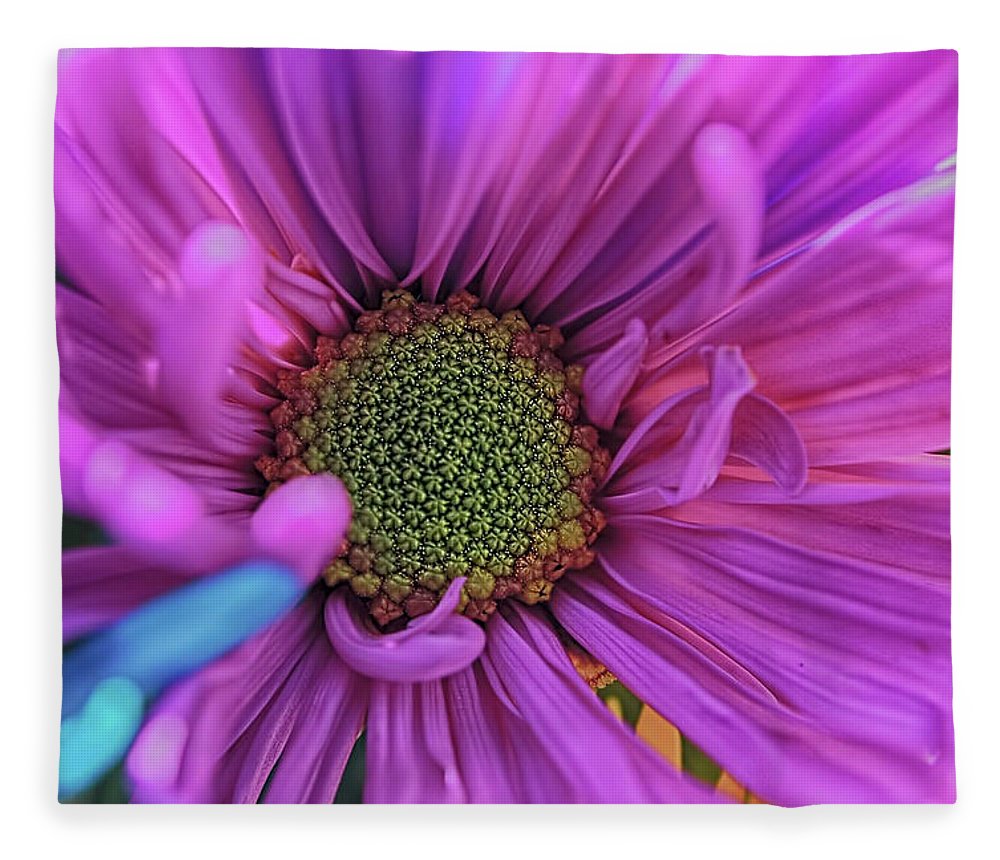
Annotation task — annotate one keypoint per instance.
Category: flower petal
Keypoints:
(196, 742)
(315, 101)
(649, 473)
(177, 633)
(411, 758)
(856, 389)
(832, 135)
(100, 584)
(577, 750)
(302, 523)
(325, 705)
(881, 122)
(131, 122)
(731, 185)
(199, 332)
(269, 195)
(432, 646)
(611, 375)
(486, 761)
(811, 677)
(895, 514)
(764, 435)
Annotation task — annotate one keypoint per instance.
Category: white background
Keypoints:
(35, 826)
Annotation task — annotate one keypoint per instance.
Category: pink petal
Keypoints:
(569, 747)
(881, 122)
(140, 504)
(302, 523)
(811, 676)
(731, 185)
(200, 331)
(100, 584)
(314, 102)
(764, 435)
(195, 746)
(410, 754)
(611, 375)
(892, 513)
(432, 646)
(269, 196)
(815, 332)
(651, 472)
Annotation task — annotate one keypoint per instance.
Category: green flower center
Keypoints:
(456, 435)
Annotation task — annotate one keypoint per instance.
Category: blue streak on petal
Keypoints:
(178, 633)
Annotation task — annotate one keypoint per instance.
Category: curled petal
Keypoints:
(858, 389)
(609, 378)
(690, 465)
(764, 436)
(433, 646)
(731, 182)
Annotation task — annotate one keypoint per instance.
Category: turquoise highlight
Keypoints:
(94, 740)
(108, 678)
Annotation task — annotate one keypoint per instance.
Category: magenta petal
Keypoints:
(472, 120)
(652, 472)
(268, 193)
(764, 436)
(76, 442)
(448, 741)
(196, 744)
(410, 754)
(100, 584)
(811, 676)
(139, 503)
(102, 366)
(589, 755)
(314, 101)
(893, 513)
(131, 120)
(610, 376)
(432, 646)
(155, 514)
(324, 702)
(884, 121)
(200, 332)
(485, 750)
(731, 184)
(302, 523)
(108, 376)
(856, 389)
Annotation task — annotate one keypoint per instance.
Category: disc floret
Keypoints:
(457, 434)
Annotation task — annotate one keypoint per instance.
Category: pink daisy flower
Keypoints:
(631, 367)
